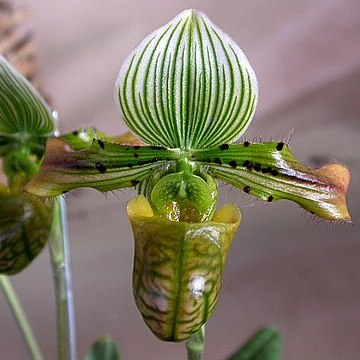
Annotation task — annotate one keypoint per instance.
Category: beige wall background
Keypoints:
(284, 269)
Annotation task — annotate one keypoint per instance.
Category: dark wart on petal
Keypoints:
(224, 147)
(100, 167)
(270, 198)
(250, 166)
(246, 143)
(233, 164)
(101, 143)
(257, 167)
(246, 189)
(280, 146)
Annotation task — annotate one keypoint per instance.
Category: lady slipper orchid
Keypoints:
(25, 125)
(187, 93)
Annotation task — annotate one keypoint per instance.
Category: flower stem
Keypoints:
(21, 318)
(60, 261)
(195, 345)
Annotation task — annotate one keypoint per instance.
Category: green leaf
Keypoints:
(103, 349)
(264, 345)
(23, 112)
(187, 85)
(270, 172)
(103, 166)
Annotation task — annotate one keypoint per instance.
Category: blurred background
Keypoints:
(285, 269)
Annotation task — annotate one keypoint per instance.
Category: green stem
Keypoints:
(195, 345)
(21, 318)
(60, 261)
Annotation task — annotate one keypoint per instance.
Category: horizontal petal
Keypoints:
(187, 85)
(83, 138)
(103, 166)
(270, 172)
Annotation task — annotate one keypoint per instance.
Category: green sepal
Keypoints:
(270, 172)
(25, 122)
(187, 85)
(265, 344)
(103, 166)
(23, 111)
(104, 348)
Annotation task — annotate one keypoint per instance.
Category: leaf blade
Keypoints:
(265, 344)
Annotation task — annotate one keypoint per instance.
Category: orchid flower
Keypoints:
(25, 125)
(187, 93)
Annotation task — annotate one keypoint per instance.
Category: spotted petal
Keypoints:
(103, 166)
(270, 172)
(187, 85)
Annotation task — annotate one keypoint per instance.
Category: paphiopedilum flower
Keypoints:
(187, 93)
(25, 125)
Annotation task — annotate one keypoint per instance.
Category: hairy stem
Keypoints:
(21, 318)
(195, 345)
(60, 261)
